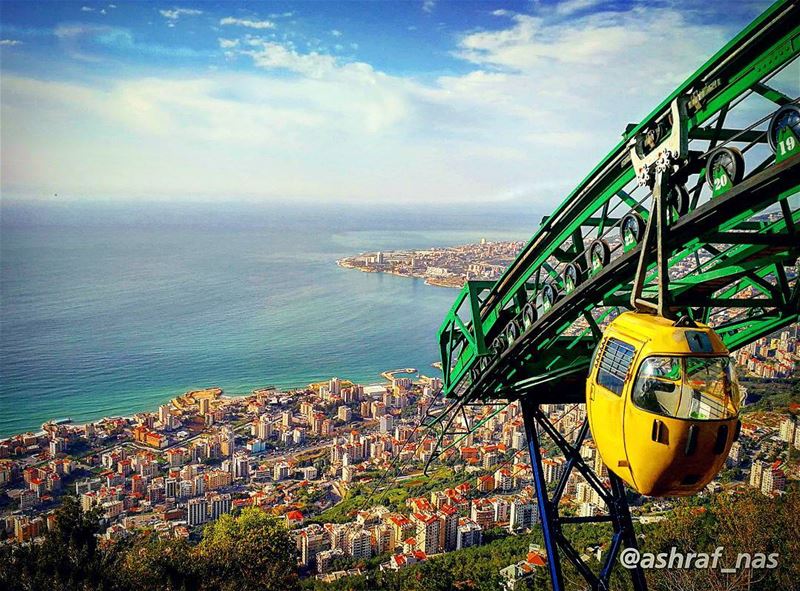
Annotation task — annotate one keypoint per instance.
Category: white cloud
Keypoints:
(223, 134)
(273, 55)
(250, 24)
(176, 13)
(569, 7)
(72, 30)
(336, 33)
(87, 9)
(10, 42)
(71, 35)
(428, 5)
(544, 100)
(614, 41)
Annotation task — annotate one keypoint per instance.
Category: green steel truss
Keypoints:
(732, 255)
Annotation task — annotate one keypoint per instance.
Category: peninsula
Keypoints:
(444, 266)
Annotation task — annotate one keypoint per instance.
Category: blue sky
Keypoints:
(419, 101)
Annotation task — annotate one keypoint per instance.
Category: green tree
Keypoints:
(251, 551)
(148, 562)
(67, 558)
(429, 576)
(744, 523)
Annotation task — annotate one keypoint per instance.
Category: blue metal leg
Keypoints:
(618, 512)
(546, 510)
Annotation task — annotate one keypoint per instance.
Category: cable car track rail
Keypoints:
(473, 367)
(709, 216)
(619, 158)
(751, 194)
(705, 202)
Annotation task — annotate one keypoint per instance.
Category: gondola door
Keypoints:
(606, 397)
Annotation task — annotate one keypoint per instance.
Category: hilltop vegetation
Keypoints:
(249, 551)
(254, 551)
(365, 494)
(747, 523)
(773, 395)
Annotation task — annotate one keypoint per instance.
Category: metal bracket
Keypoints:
(655, 230)
(654, 144)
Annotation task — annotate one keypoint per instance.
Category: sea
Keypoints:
(111, 308)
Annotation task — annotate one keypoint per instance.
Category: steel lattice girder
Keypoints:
(483, 309)
(545, 353)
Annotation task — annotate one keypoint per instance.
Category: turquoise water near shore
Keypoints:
(113, 315)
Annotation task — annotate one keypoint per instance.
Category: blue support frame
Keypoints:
(547, 512)
(615, 498)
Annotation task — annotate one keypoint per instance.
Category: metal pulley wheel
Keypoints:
(631, 230)
(498, 346)
(572, 277)
(599, 254)
(512, 332)
(787, 117)
(730, 160)
(529, 315)
(475, 375)
(548, 295)
(679, 200)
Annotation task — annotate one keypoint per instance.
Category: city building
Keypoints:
(219, 504)
(196, 511)
(427, 532)
(468, 534)
(522, 515)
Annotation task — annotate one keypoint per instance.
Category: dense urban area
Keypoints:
(444, 266)
(340, 464)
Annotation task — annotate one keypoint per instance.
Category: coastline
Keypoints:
(440, 266)
(432, 281)
(223, 395)
(83, 418)
(238, 319)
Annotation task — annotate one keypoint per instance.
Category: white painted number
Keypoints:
(787, 145)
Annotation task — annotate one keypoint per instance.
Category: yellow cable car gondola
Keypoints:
(663, 403)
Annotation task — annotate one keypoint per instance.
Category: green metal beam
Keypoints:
(764, 47)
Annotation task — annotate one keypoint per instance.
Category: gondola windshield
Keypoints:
(700, 388)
